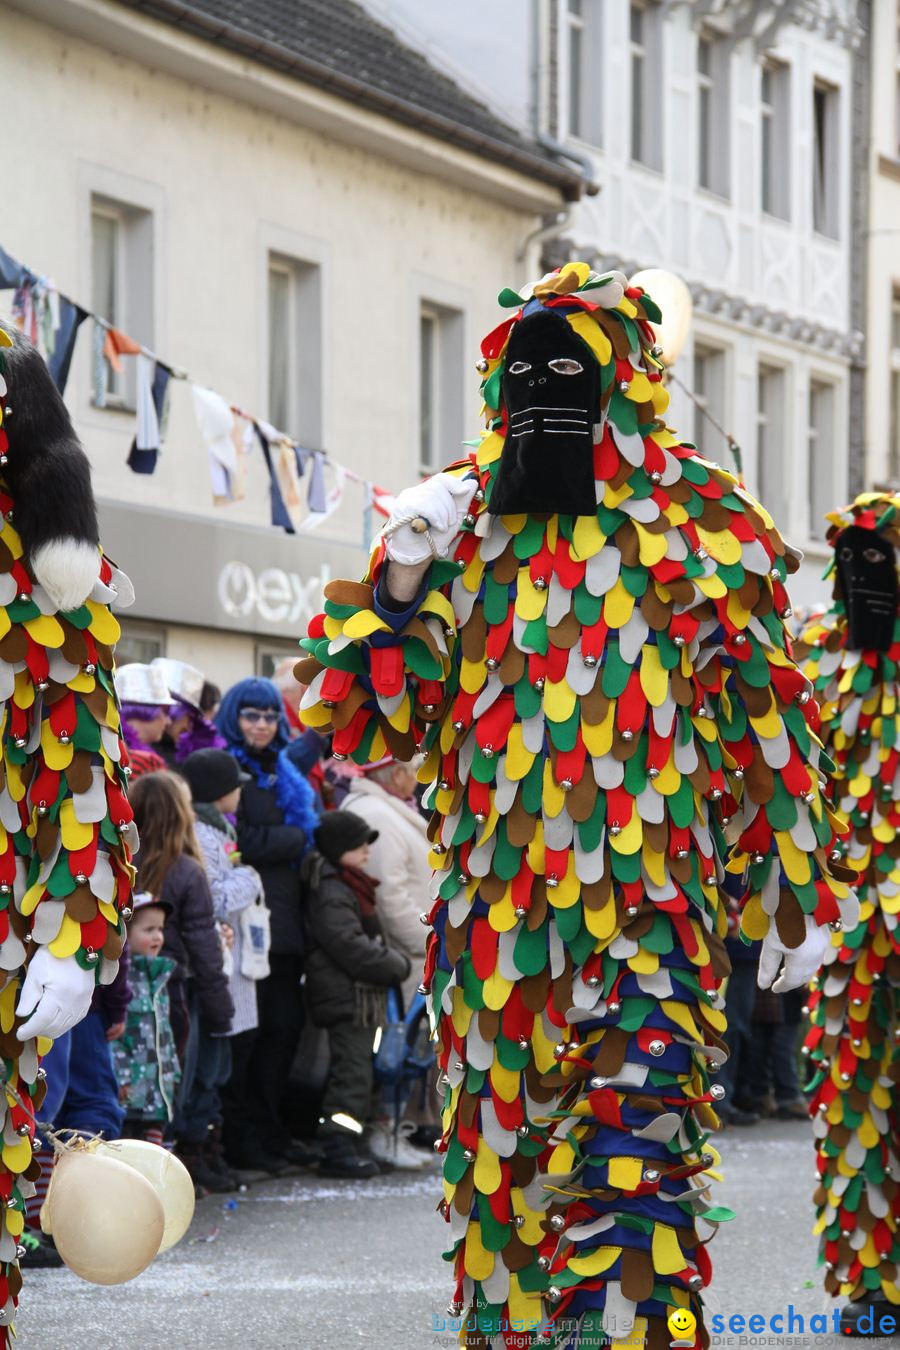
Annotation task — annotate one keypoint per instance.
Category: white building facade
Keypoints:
(883, 327)
(327, 265)
(728, 161)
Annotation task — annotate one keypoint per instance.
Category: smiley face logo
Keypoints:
(682, 1324)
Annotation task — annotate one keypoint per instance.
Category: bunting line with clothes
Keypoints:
(53, 320)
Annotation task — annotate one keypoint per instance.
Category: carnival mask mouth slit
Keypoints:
(550, 391)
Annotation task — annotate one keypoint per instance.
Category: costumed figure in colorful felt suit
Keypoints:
(66, 830)
(852, 656)
(582, 622)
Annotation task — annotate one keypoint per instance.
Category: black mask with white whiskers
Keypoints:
(550, 390)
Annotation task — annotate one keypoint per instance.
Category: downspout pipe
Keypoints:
(584, 162)
(544, 232)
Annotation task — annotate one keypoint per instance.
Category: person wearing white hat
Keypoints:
(187, 729)
(146, 706)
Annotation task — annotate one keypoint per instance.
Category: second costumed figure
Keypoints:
(852, 655)
(582, 623)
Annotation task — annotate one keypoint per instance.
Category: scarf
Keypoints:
(296, 798)
(363, 887)
(209, 814)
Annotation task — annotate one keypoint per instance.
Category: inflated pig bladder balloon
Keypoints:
(167, 1175)
(107, 1220)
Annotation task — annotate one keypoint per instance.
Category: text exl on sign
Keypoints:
(273, 595)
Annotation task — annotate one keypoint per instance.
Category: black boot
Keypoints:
(303, 1152)
(214, 1156)
(868, 1310)
(255, 1158)
(340, 1158)
(204, 1178)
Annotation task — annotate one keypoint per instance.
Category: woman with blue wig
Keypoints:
(276, 819)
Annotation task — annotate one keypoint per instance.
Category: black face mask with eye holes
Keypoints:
(867, 571)
(550, 390)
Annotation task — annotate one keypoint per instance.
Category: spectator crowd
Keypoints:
(266, 1011)
(275, 926)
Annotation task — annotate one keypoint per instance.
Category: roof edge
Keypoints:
(567, 181)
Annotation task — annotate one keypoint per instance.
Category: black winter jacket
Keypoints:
(275, 850)
(191, 940)
(344, 946)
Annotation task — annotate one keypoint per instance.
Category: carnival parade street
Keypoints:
(303, 1262)
(449, 674)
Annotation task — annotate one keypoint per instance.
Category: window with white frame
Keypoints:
(713, 113)
(893, 464)
(440, 385)
(645, 32)
(820, 471)
(775, 139)
(770, 436)
(825, 159)
(583, 94)
(294, 335)
(122, 285)
(709, 391)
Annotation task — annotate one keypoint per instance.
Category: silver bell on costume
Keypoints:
(184, 682)
(138, 683)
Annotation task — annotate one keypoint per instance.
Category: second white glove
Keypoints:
(800, 963)
(440, 502)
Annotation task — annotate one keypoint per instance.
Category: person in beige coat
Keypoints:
(398, 860)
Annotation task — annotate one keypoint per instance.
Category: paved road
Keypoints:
(303, 1263)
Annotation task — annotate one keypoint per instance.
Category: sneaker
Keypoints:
(40, 1251)
(341, 1159)
(394, 1147)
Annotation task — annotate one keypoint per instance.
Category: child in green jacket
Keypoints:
(145, 1059)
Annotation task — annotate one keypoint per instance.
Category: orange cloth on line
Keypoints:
(117, 344)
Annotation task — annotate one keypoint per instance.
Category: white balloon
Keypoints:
(674, 300)
(107, 1220)
(167, 1175)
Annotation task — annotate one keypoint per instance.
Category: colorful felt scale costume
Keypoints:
(65, 823)
(852, 655)
(599, 675)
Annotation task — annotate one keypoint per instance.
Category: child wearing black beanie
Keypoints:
(349, 968)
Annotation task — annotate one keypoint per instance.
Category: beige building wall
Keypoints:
(883, 336)
(233, 163)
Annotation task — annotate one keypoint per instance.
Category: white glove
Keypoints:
(67, 569)
(441, 502)
(57, 993)
(800, 963)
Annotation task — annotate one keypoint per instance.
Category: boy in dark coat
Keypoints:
(348, 970)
